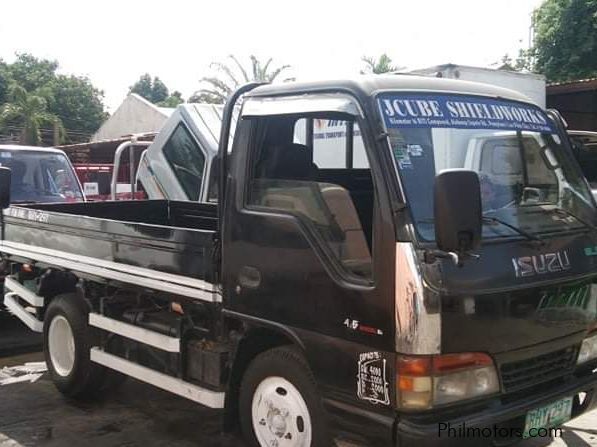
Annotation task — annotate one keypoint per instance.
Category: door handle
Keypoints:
(249, 277)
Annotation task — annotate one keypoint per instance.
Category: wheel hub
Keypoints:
(61, 345)
(276, 421)
(280, 415)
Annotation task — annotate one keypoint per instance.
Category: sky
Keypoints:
(114, 42)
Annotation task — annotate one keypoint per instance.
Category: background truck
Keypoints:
(40, 175)
(529, 84)
(584, 145)
(372, 301)
(181, 164)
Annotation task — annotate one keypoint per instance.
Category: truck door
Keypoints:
(302, 232)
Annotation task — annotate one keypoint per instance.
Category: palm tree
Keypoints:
(229, 77)
(379, 66)
(28, 110)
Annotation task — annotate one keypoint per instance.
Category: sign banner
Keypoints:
(461, 112)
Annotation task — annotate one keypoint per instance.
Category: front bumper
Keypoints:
(495, 423)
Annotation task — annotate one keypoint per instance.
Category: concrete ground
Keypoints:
(35, 414)
(15, 337)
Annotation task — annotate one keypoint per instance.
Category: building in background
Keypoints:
(135, 115)
(576, 101)
(529, 84)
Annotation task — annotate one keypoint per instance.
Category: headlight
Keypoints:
(588, 350)
(435, 380)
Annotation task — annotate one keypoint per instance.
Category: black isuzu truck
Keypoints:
(426, 263)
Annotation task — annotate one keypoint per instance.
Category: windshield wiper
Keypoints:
(524, 233)
(564, 212)
(490, 219)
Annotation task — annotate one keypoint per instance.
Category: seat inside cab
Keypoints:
(335, 199)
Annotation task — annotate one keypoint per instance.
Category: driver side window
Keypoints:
(334, 200)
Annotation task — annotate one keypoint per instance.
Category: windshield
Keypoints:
(527, 176)
(40, 177)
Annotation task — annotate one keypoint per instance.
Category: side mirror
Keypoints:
(4, 187)
(458, 212)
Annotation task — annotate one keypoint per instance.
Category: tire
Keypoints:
(279, 403)
(67, 341)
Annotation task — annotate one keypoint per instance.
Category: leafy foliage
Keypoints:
(566, 39)
(159, 91)
(32, 73)
(228, 77)
(143, 87)
(4, 82)
(156, 92)
(29, 109)
(523, 62)
(77, 103)
(378, 66)
(73, 100)
(174, 100)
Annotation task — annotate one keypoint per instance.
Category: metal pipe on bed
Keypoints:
(117, 156)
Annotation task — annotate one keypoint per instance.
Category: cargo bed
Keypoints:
(156, 244)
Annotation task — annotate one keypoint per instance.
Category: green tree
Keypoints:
(143, 87)
(78, 104)
(523, 62)
(154, 90)
(230, 76)
(174, 100)
(73, 99)
(27, 111)
(159, 91)
(32, 73)
(378, 66)
(566, 39)
(4, 81)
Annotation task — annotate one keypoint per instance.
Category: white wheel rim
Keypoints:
(280, 415)
(61, 345)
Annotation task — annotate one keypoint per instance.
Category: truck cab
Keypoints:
(481, 319)
(40, 175)
(352, 280)
(178, 164)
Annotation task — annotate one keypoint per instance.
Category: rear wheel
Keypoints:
(67, 341)
(279, 404)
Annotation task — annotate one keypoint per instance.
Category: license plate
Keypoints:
(549, 416)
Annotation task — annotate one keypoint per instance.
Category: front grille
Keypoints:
(543, 368)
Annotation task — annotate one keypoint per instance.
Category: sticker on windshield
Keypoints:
(402, 157)
(5, 155)
(414, 150)
(461, 112)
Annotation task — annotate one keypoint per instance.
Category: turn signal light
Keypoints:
(427, 381)
(588, 350)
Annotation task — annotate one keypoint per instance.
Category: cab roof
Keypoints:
(367, 86)
(16, 147)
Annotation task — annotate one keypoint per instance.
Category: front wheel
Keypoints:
(279, 404)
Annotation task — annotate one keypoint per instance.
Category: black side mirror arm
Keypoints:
(430, 256)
